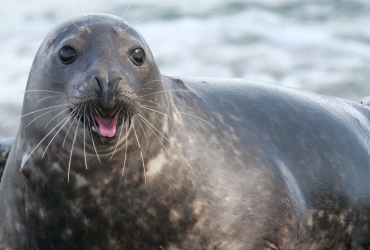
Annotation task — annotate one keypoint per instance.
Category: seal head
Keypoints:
(94, 68)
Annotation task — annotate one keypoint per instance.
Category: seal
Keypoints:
(111, 154)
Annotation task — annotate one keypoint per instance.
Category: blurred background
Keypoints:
(317, 45)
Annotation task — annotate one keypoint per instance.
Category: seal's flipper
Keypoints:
(5, 146)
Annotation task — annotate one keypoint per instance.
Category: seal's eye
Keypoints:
(138, 56)
(67, 55)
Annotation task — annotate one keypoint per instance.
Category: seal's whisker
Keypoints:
(92, 139)
(68, 118)
(159, 120)
(40, 90)
(166, 139)
(195, 117)
(117, 112)
(115, 118)
(113, 121)
(147, 122)
(80, 10)
(133, 124)
(119, 138)
(46, 98)
(157, 112)
(91, 134)
(100, 111)
(41, 116)
(33, 113)
(152, 102)
(149, 83)
(56, 116)
(143, 89)
(147, 107)
(124, 161)
(25, 160)
(96, 126)
(129, 27)
(76, 26)
(75, 117)
(85, 135)
(173, 120)
(142, 159)
(142, 117)
(73, 143)
(124, 14)
(162, 91)
(114, 111)
(157, 138)
(147, 144)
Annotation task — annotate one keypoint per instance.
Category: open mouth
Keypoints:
(103, 124)
(106, 125)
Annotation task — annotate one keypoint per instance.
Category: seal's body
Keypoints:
(129, 159)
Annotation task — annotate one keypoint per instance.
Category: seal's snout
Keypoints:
(105, 119)
(113, 104)
(107, 92)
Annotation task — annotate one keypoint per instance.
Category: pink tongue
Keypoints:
(107, 126)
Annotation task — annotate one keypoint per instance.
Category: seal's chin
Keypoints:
(106, 125)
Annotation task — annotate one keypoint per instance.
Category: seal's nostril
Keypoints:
(107, 91)
(112, 85)
(99, 84)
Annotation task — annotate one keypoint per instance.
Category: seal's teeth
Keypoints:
(94, 129)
